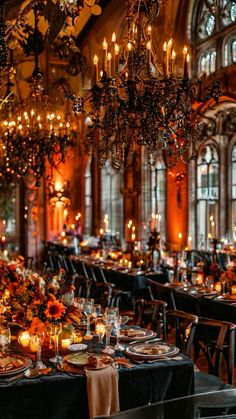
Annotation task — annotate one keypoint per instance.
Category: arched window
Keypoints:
(211, 20)
(207, 195)
(153, 197)
(88, 199)
(233, 190)
(111, 201)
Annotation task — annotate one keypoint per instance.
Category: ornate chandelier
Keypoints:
(137, 101)
(31, 134)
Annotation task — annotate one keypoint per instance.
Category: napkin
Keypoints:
(102, 390)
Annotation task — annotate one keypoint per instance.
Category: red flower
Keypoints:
(54, 310)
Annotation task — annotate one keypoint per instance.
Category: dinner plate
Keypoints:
(227, 298)
(13, 364)
(77, 347)
(80, 359)
(129, 334)
(151, 350)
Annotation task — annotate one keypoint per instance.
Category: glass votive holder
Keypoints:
(100, 329)
(24, 338)
(66, 342)
(233, 290)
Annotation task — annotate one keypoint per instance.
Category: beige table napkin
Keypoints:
(102, 391)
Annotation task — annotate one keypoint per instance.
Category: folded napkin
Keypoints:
(102, 389)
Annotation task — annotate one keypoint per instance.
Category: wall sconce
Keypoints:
(59, 196)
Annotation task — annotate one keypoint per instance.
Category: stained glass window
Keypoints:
(210, 24)
(234, 51)
(233, 12)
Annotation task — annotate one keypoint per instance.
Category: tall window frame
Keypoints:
(208, 190)
(112, 201)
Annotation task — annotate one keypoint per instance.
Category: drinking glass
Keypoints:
(111, 314)
(36, 342)
(88, 310)
(5, 338)
(117, 327)
(55, 331)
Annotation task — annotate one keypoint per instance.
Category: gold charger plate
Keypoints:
(12, 364)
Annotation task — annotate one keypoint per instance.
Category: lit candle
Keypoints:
(130, 56)
(133, 235)
(172, 66)
(189, 242)
(104, 45)
(164, 57)
(168, 55)
(187, 63)
(109, 63)
(24, 338)
(65, 343)
(95, 63)
(117, 49)
(113, 41)
(185, 51)
(180, 240)
(149, 48)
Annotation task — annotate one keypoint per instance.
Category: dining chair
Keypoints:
(161, 292)
(151, 314)
(187, 302)
(184, 325)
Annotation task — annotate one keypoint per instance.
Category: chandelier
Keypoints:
(32, 135)
(140, 100)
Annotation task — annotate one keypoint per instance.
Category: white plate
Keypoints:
(140, 350)
(77, 347)
(77, 359)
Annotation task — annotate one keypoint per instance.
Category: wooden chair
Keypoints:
(187, 302)
(184, 325)
(161, 292)
(152, 314)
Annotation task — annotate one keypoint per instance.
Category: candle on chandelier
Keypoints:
(164, 57)
(172, 63)
(113, 41)
(149, 49)
(95, 63)
(117, 50)
(109, 56)
(185, 52)
(168, 56)
(104, 45)
(133, 235)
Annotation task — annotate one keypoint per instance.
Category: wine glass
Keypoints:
(88, 310)
(5, 338)
(36, 342)
(55, 331)
(117, 327)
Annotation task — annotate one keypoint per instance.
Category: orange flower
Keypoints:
(54, 310)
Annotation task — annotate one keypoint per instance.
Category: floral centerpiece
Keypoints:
(25, 295)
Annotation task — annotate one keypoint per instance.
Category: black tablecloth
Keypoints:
(60, 396)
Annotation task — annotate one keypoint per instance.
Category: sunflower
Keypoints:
(54, 310)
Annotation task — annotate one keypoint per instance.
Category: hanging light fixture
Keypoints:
(137, 100)
(31, 134)
(59, 195)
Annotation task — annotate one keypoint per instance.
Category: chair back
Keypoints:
(185, 325)
(215, 339)
(161, 292)
(187, 302)
(152, 314)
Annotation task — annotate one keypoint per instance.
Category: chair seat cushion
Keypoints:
(205, 382)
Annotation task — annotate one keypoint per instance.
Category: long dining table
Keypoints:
(60, 395)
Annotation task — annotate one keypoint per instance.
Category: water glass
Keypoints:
(5, 338)
(117, 327)
(88, 310)
(100, 329)
(35, 343)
